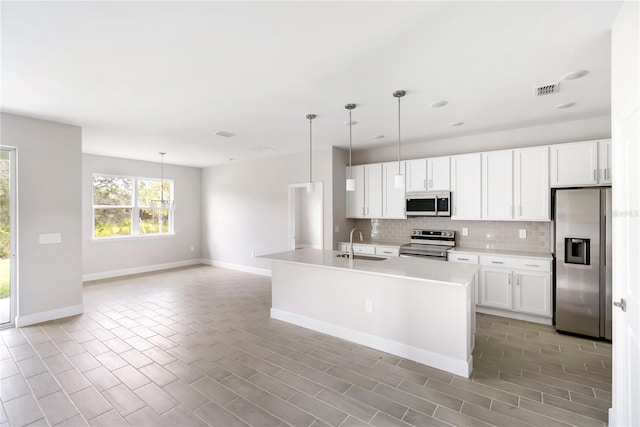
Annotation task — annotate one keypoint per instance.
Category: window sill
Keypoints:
(139, 237)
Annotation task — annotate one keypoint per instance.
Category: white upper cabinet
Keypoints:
(393, 199)
(575, 164)
(465, 186)
(366, 201)
(355, 199)
(531, 192)
(438, 174)
(416, 177)
(497, 185)
(604, 161)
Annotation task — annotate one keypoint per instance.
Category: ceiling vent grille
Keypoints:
(260, 149)
(547, 89)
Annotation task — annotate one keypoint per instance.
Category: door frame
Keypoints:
(291, 238)
(13, 235)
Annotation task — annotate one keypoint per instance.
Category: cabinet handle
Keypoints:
(463, 259)
(386, 252)
(509, 279)
(531, 265)
(595, 174)
(430, 183)
(497, 262)
(517, 280)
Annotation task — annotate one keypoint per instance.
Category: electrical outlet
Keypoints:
(522, 233)
(465, 231)
(368, 305)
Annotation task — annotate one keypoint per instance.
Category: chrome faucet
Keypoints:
(351, 243)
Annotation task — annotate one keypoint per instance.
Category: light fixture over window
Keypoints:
(351, 183)
(162, 203)
(399, 180)
(310, 184)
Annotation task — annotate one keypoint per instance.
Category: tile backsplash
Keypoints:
(501, 235)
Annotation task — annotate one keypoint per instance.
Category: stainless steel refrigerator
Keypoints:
(583, 261)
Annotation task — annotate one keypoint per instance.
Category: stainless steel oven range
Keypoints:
(433, 244)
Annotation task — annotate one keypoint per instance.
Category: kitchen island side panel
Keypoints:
(425, 321)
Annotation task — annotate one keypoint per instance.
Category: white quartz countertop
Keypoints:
(541, 255)
(411, 267)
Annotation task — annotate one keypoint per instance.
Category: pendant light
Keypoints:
(399, 180)
(351, 183)
(310, 185)
(162, 203)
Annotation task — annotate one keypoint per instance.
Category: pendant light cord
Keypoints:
(398, 135)
(310, 156)
(350, 125)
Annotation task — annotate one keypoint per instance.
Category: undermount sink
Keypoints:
(364, 257)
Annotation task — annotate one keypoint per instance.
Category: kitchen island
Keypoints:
(415, 308)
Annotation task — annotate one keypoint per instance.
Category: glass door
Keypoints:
(7, 237)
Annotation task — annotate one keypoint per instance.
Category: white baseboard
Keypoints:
(45, 316)
(515, 315)
(238, 267)
(138, 270)
(445, 363)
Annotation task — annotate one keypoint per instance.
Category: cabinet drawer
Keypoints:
(387, 251)
(466, 258)
(533, 264)
(364, 249)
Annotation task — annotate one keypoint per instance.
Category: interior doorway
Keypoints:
(7, 236)
(305, 217)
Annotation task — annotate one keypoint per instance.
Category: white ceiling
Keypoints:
(144, 77)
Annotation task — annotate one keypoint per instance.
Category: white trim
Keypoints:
(449, 364)
(45, 316)
(138, 270)
(515, 315)
(238, 267)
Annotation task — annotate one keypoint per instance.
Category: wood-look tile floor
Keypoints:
(196, 347)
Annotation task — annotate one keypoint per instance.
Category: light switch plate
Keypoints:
(522, 233)
(465, 231)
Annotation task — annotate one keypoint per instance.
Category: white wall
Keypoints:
(49, 165)
(245, 207)
(553, 133)
(109, 258)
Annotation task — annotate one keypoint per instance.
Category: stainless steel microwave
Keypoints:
(428, 204)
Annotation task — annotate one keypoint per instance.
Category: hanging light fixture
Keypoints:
(310, 184)
(351, 183)
(399, 180)
(162, 203)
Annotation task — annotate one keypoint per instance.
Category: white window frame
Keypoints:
(135, 209)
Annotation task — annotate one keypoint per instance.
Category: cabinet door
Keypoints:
(465, 186)
(531, 184)
(416, 178)
(355, 199)
(438, 174)
(393, 200)
(575, 163)
(604, 161)
(497, 185)
(495, 288)
(532, 293)
(373, 191)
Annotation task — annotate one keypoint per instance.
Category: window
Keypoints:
(130, 206)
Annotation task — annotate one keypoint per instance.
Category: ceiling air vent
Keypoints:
(259, 149)
(547, 89)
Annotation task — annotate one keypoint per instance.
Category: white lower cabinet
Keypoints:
(495, 288)
(512, 286)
